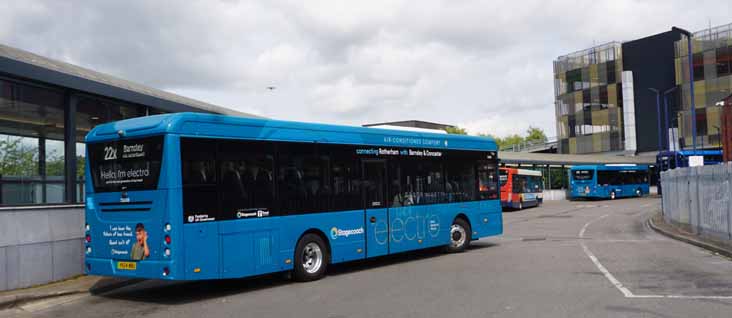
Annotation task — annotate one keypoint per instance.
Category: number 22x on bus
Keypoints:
(199, 196)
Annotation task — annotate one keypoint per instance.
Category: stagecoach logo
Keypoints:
(336, 232)
(247, 214)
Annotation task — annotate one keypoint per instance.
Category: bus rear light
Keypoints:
(88, 238)
(166, 271)
(167, 227)
(167, 252)
(88, 250)
(167, 239)
(87, 227)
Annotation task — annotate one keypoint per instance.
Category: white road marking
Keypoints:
(624, 290)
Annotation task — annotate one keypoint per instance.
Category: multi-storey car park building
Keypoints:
(632, 97)
(712, 68)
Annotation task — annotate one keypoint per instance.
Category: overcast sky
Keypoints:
(483, 65)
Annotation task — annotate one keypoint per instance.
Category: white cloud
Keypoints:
(484, 65)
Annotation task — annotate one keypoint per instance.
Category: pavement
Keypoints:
(563, 259)
(658, 223)
(73, 286)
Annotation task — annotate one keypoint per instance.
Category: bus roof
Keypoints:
(687, 153)
(623, 167)
(220, 126)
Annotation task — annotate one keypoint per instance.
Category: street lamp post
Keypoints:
(658, 114)
(691, 84)
(667, 125)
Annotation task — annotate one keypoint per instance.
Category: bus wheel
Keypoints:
(639, 193)
(311, 258)
(612, 195)
(459, 236)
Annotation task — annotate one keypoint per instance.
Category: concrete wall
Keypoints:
(699, 198)
(40, 245)
(554, 195)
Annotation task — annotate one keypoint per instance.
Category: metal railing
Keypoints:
(527, 146)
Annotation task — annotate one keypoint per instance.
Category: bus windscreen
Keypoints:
(124, 165)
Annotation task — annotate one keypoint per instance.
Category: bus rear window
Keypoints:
(582, 174)
(123, 165)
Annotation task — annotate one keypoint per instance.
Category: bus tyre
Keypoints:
(612, 195)
(311, 258)
(459, 236)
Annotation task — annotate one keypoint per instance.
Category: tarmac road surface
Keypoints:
(564, 259)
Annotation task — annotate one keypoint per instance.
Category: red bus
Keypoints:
(520, 188)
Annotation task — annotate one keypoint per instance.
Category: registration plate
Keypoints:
(128, 266)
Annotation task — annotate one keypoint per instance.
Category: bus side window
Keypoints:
(198, 161)
(460, 176)
(245, 170)
(488, 179)
(301, 178)
(416, 182)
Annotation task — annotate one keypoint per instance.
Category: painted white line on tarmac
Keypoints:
(624, 290)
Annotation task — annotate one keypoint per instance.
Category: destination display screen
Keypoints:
(124, 165)
(583, 174)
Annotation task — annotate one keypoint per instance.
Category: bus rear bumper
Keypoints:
(150, 269)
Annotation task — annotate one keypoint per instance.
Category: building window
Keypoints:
(698, 59)
(724, 58)
(31, 144)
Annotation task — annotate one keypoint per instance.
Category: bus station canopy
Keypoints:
(571, 160)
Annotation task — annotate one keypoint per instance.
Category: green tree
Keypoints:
(456, 130)
(535, 134)
(17, 159)
(54, 164)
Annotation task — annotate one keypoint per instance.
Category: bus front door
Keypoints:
(376, 216)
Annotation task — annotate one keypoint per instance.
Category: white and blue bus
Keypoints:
(197, 196)
(609, 181)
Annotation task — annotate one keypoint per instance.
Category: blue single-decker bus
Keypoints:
(199, 196)
(608, 181)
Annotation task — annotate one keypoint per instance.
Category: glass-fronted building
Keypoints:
(615, 97)
(588, 100)
(712, 72)
(46, 109)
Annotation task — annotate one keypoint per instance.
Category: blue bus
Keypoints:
(609, 181)
(198, 196)
(666, 160)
